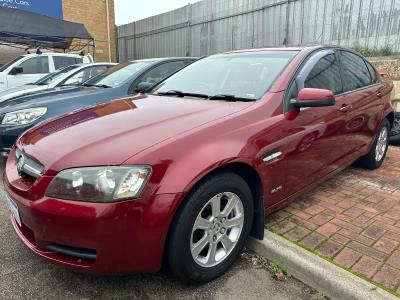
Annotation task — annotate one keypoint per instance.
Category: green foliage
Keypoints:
(318, 295)
(373, 52)
(276, 268)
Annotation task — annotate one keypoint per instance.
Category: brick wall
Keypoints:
(93, 13)
(9, 53)
(391, 63)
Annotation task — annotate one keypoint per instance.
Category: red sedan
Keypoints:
(184, 174)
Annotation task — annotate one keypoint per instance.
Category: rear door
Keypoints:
(362, 95)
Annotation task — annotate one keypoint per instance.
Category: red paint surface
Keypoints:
(183, 140)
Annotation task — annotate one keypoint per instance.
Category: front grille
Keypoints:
(27, 166)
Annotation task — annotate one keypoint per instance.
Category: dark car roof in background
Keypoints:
(291, 48)
(162, 59)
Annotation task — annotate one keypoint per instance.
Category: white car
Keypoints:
(31, 67)
(71, 75)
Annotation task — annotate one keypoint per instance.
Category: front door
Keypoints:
(316, 139)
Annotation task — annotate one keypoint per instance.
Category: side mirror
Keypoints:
(309, 97)
(16, 70)
(143, 87)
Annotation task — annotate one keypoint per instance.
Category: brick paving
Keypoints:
(353, 219)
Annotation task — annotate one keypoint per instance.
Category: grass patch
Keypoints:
(386, 50)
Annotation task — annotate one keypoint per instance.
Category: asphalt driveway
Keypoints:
(25, 276)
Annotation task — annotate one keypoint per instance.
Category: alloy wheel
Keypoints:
(381, 144)
(217, 229)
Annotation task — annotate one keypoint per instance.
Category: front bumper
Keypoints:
(98, 238)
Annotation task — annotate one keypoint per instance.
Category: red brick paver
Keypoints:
(353, 219)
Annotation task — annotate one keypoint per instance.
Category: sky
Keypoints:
(127, 11)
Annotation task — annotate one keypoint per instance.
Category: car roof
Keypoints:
(54, 54)
(162, 59)
(95, 64)
(291, 48)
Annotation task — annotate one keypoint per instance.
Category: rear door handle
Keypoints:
(345, 108)
(380, 94)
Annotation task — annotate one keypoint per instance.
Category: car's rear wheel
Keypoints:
(377, 154)
(395, 134)
(210, 229)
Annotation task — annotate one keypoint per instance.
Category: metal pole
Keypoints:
(108, 31)
(189, 30)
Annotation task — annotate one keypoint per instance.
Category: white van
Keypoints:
(31, 67)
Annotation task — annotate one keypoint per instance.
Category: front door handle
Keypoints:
(345, 108)
(380, 94)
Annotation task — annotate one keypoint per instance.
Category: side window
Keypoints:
(96, 71)
(65, 61)
(36, 65)
(372, 72)
(158, 73)
(325, 75)
(356, 74)
(85, 75)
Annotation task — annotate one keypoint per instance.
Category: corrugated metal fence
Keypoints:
(213, 26)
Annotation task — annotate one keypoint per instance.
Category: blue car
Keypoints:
(19, 114)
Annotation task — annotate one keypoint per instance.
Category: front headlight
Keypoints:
(99, 184)
(23, 117)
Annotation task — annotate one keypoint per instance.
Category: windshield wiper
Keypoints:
(231, 98)
(105, 86)
(181, 94)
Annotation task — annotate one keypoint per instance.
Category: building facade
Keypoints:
(97, 15)
(99, 19)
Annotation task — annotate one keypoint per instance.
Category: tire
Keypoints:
(395, 140)
(395, 134)
(376, 156)
(197, 266)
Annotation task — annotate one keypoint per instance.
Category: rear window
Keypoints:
(65, 61)
(374, 76)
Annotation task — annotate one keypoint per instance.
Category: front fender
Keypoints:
(189, 168)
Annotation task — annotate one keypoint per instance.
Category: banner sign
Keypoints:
(51, 8)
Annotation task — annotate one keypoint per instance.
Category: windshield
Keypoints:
(246, 75)
(117, 75)
(4, 67)
(48, 79)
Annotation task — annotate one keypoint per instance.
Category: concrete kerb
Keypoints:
(333, 281)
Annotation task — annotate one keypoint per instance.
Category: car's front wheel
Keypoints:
(210, 228)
